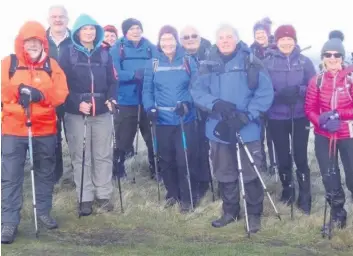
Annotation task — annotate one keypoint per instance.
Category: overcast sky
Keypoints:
(313, 20)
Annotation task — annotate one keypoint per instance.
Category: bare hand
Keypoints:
(109, 104)
(85, 107)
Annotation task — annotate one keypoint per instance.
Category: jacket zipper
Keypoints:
(92, 87)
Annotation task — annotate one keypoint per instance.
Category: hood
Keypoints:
(84, 20)
(30, 29)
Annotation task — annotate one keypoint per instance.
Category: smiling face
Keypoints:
(190, 39)
(168, 44)
(332, 60)
(110, 37)
(87, 34)
(261, 37)
(58, 19)
(134, 34)
(33, 47)
(226, 41)
(286, 45)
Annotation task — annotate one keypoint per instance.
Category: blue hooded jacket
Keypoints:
(232, 86)
(166, 84)
(90, 74)
(128, 58)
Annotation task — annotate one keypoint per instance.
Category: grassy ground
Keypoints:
(147, 229)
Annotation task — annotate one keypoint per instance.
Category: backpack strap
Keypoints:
(252, 70)
(155, 64)
(320, 80)
(14, 66)
(104, 57)
(186, 64)
(73, 55)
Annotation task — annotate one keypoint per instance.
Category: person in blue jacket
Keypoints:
(166, 99)
(223, 88)
(92, 82)
(130, 54)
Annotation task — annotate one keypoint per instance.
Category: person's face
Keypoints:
(33, 47)
(87, 34)
(190, 39)
(286, 45)
(261, 37)
(58, 19)
(110, 37)
(134, 33)
(226, 41)
(332, 60)
(168, 44)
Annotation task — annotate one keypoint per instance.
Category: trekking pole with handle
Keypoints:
(155, 154)
(83, 162)
(183, 136)
(252, 162)
(275, 166)
(242, 187)
(115, 159)
(30, 149)
(137, 136)
(292, 163)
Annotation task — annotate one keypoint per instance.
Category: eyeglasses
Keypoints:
(193, 36)
(329, 55)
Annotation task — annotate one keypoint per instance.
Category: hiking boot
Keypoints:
(224, 220)
(254, 223)
(86, 208)
(287, 195)
(170, 202)
(47, 221)
(105, 205)
(336, 224)
(8, 233)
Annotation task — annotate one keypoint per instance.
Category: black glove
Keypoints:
(224, 108)
(222, 131)
(139, 75)
(238, 122)
(289, 95)
(29, 94)
(152, 115)
(182, 108)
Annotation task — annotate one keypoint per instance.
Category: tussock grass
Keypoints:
(145, 228)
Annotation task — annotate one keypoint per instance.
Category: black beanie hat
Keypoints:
(128, 23)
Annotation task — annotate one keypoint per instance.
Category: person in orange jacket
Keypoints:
(34, 83)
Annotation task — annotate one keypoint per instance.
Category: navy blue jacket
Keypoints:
(86, 71)
(54, 50)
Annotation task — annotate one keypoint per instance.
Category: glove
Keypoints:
(326, 116)
(139, 75)
(332, 125)
(28, 94)
(289, 95)
(152, 115)
(222, 131)
(238, 122)
(224, 108)
(182, 108)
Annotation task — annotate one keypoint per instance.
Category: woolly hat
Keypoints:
(336, 34)
(285, 31)
(261, 26)
(334, 44)
(128, 23)
(167, 29)
(111, 28)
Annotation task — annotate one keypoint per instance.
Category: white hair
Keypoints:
(58, 7)
(228, 27)
(189, 27)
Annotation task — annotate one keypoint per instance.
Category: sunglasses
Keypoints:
(193, 36)
(329, 55)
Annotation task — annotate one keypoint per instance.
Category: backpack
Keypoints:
(14, 66)
(123, 55)
(186, 64)
(74, 58)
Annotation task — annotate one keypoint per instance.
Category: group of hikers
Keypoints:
(192, 102)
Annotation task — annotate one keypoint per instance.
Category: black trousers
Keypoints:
(173, 163)
(281, 131)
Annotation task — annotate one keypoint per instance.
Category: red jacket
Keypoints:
(335, 92)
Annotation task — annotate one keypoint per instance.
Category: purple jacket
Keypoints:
(294, 70)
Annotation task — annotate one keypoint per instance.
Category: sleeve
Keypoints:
(124, 75)
(312, 105)
(112, 79)
(57, 93)
(309, 72)
(148, 99)
(9, 92)
(200, 91)
(262, 98)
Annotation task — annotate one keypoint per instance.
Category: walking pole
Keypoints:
(30, 149)
(115, 159)
(83, 163)
(155, 154)
(274, 166)
(292, 163)
(240, 169)
(186, 158)
(240, 140)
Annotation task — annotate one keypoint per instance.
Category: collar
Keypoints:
(57, 42)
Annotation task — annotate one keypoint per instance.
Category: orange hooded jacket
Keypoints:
(54, 88)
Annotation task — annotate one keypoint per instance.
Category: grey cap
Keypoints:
(334, 44)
